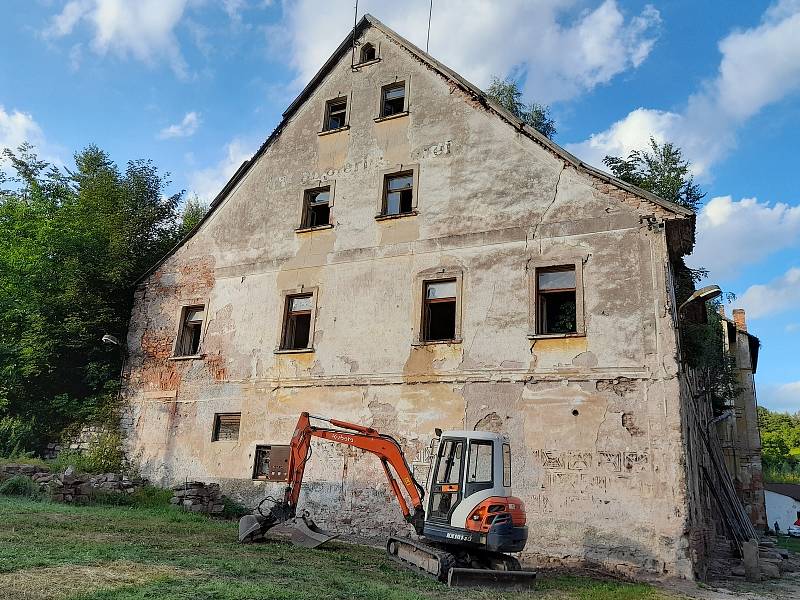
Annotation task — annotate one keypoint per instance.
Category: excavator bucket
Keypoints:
(509, 580)
(305, 532)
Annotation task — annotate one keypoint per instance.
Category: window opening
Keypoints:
(557, 300)
(480, 462)
(506, 465)
(335, 114)
(226, 426)
(367, 53)
(297, 323)
(191, 327)
(398, 194)
(271, 463)
(316, 207)
(393, 99)
(439, 311)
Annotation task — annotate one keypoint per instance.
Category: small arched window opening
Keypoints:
(367, 53)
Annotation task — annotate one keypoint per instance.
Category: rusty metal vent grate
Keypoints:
(226, 426)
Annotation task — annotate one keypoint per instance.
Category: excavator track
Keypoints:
(421, 557)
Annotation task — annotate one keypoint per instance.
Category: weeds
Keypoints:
(20, 485)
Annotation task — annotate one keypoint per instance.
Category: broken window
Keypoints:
(335, 114)
(555, 291)
(297, 322)
(393, 99)
(367, 53)
(439, 311)
(398, 193)
(191, 328)
(271, 463)
(316, 207)
(226, 427)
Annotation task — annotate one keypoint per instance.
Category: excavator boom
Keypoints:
(368, 439)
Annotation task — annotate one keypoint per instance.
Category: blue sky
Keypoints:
(197, 85)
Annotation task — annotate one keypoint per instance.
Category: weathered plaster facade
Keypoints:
(594, 420)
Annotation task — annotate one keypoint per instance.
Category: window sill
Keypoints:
(435, 342)
(390, 117)
(329, 131)
(224, 441)
(366, 63)
(188, 357)
(315, 228)
(293, 350)
(553, 336)
(413, 213)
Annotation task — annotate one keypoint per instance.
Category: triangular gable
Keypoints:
(681, 237)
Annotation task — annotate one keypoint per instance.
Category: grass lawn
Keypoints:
(55, 551)
(789, 543)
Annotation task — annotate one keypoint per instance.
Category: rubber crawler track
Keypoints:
(446, 559)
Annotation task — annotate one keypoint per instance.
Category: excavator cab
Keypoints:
(469, 493)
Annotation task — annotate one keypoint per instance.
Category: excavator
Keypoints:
(465, 527)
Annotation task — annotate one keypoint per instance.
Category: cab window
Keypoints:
(506, 465)
(480, 462)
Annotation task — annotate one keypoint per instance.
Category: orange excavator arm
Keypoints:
(384, 447)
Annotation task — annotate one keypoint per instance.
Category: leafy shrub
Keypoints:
(233, 509)
(20, 485)
(15, 435)
(104, 455)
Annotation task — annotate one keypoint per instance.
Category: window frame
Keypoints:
(398, 171)
(326, 114)
(406, 81)
(329, 185)
(286, 296)
(537, 267)
(182, 314)
(433, 276)
(216, 424)
(361, 62)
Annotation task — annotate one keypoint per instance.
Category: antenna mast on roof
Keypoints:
(428, 42)
(355, 24)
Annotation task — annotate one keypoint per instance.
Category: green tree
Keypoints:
(662, 170)
(506, 92)
(193, 212)
(774, 449)
(72, 242)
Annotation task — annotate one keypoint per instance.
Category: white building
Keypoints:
(783, 504)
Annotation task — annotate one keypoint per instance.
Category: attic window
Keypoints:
(335, 114)
(367, 53)
(393, 99)
(316, 207)
(398, 193)
(188, 343)
(556, 294)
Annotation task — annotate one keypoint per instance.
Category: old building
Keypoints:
(404, 253)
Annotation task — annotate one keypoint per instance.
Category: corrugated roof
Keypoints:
(346, 45)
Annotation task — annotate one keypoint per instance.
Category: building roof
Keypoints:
(785, 489)
(684, 240)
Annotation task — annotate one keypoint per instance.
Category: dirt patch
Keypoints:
(55, 583)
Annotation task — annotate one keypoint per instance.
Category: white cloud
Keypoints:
(143, 29)
(777, 296)
(17, 127)
(759, 66)
(783, 398)
(562, 53)
(792, 328)
(723, 224)
(187, 127)
(207, 183)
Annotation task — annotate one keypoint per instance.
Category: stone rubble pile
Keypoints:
(72, 487)
(198, 496)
